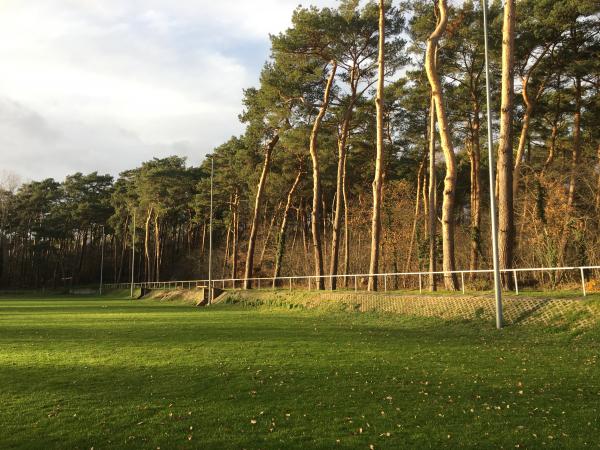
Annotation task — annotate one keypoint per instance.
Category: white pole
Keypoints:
(102, 261)
(133, 254)
(583, 281)
(497, 286)
(210, 234)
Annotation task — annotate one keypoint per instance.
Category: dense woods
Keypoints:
(363, 153)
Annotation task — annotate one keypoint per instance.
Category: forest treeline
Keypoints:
(338, 172)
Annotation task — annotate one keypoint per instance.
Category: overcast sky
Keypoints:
(105, 84)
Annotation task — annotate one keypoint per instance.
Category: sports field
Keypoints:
(115, 373)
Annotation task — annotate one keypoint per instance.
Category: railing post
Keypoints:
(516, 282)
(420, 284)
(583, 281)
(259, 283)
(385, 283)
(355, 284)
(290, 285)
(462, 282)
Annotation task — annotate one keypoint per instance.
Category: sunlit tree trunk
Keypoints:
(475, 156)
(575, 156)
(304, 222)
(283, 227)
(148, 265)
(203, 238)
(598, 189)
(268, 237)
(316, 205)
(227, 242)
(432, 199)
(335, 237)
(529, 106)
(450, 279)
(257, 207)
(378, 179)
(236, 226)
(554, 133)
(346, 226)
(417, 213)
(157, 247)
(506, 225)
(123, 251)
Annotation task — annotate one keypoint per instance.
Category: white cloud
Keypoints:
(106, 84)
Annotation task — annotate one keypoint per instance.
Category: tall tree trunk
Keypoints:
(575, 156)
(234, 249)
(203, 238)
(335, 238)
(227, 241)
(324, 216)
(449, 266)
(257, 206)
(346, 225)
(506, 224)
(304, 223)
(420, 176)
(123, 250)
(316, 205)
(228, 235)
(432, 197)
(598, 189)
(523, 138)
(576, 144)
(283, 228)
(84, 239)
(378, 179)
(158, 246)
(269, 232)
(475, 157)
(553, 139)
(147, 263)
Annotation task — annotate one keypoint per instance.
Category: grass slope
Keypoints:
(110, 373)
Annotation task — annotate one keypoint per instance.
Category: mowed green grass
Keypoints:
(113, 373)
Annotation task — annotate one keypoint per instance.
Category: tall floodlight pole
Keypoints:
(133, 254)
(497, 285)
(210, 232)
(102, 260)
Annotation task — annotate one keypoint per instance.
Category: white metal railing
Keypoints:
(291, 282)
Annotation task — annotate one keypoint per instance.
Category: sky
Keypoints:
(102, 85)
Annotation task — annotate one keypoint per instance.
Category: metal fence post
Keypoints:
(462, 281)
(420, 284)
(516, 282)
(355, 284)
(290, 285)
(583, 281)
(385, 283)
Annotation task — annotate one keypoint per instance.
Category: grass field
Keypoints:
(113, 373)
